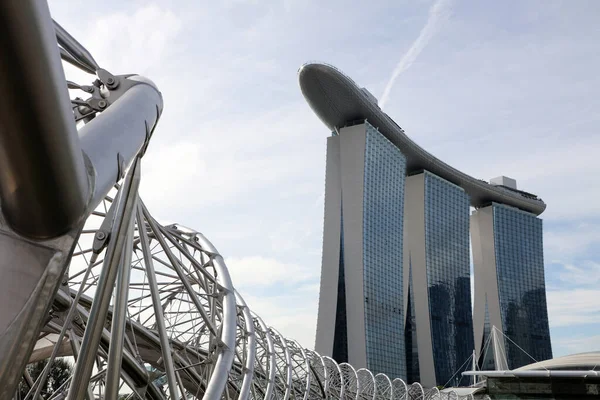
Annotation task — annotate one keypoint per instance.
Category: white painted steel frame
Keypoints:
(366, 384)
(350, 380)
(399, 389)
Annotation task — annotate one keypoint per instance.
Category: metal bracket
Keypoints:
(102, 237)
(105, 90)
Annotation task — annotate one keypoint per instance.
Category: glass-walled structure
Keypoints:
(437, 253)
(361, 315)
(520, 270)
(382, 260)
(510, 283)
(448, 275)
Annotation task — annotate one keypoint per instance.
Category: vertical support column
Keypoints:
(415, 257)
(328, 293)
(485, 275)
(352, 171)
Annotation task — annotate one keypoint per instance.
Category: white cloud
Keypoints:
(570, 240)
(587, 273)
(294, 315)
(573, 307)
(577, 344)
(221, 162)
(284, 295)
(137, 41)
(255, 273)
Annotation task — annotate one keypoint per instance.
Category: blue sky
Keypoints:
(493, 88)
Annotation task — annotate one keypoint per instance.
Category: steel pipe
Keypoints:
(77, 51)
(535, 374)
(156, 302)
(43, 183)
(248, 368)
(99, 309)
(66, 56)
(112, 139)
(119, 317)
(263, 331)
(214, 388)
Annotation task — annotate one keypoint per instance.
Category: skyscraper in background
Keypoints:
(361, 318)
(510, 290)
(437, 291)
(395, 284)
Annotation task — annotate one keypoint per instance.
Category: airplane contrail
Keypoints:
(438, 13)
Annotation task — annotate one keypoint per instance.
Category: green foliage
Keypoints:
(60, 371)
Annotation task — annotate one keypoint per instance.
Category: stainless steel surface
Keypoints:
(156, 303)
(226, 338)
(536, 374)
(250, 336)
(43, 184)
(65, 56)
(268, 359)
(30, 274)
(119, 316)
(114, 138)
(91, 339)
(71, 45)
(41, 380)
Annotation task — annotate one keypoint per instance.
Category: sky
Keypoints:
(492, 88)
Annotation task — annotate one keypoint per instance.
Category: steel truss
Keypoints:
(143, 309)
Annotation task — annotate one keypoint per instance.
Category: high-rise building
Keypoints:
(437, 288)
(510, 292)
(361, 319)
(395, 285)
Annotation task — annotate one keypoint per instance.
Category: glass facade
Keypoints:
(448, 276)
(521, 285)
(383, 206)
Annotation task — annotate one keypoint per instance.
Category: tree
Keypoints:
(59, 373)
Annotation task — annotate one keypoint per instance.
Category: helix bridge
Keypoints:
(143, 310)
(187, 332)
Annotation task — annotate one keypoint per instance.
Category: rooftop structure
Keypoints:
(337, 100)
(504, 181)
(576, 376)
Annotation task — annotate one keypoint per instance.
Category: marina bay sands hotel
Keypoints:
(395, 292)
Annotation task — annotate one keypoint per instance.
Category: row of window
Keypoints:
(521, 285)
(383, 204)
(448, 274)
(518, 245)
